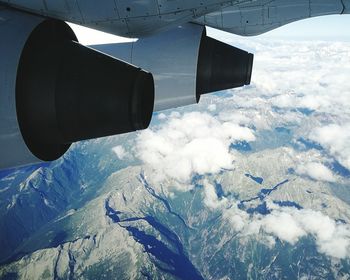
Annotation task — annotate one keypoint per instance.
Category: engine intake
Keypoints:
(74, 93)
(61, 92)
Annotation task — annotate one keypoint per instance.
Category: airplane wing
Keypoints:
(257, 17)
(142, 18)
(55, 91)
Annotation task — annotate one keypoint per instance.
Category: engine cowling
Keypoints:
(185, 64)
(54, 91)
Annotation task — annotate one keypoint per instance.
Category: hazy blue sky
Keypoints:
(325, 27)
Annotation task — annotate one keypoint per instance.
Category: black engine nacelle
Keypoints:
(55, 91)
(185, 64)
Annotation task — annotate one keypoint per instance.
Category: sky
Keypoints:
(333, 27)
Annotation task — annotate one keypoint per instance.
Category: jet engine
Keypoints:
(185, 64)
(55, 91)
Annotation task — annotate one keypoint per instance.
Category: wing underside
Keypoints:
(261, 16)
(143, 18)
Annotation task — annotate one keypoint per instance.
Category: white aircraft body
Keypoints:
(55, 91)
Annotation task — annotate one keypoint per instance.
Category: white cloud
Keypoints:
(279, 77)
(235, 117)
(293, 100)
(193, 143)
(212, 107)
(211, 199)
(283, 225)
(120, 152)
(290, 225)
(175, 114)
(332, 239)
(336, 140)
(238, 219)
(161, 116)
(316, 171)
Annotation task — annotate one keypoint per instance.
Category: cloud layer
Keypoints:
(120, 152)
(188, 144)
(285, 223)
(316, 171)
(336, 139)
(300, 84)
